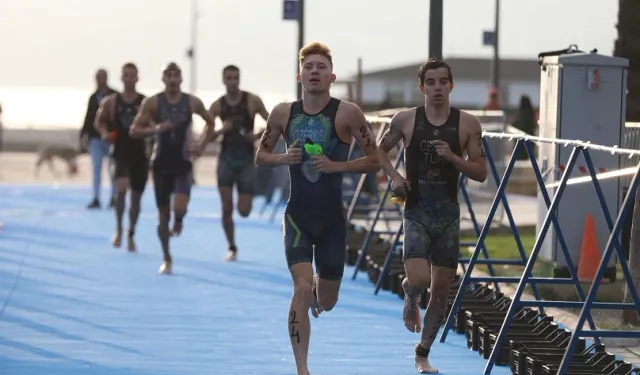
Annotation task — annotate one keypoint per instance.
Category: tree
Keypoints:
(628, 46)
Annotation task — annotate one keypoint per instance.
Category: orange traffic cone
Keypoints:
(589, 253)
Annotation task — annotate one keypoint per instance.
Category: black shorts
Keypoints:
(166, 184)
(137, 173)
(432, 232)
(242, 174)
(306, 238)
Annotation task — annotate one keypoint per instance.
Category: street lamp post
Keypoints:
(293, 10)
(495, 71)
(300, 42)
(192, 51)
(436, 15)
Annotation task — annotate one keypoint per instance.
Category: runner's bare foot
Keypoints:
(131, 244)
(177, 229)
(411, 310)
(422, 361)
(423, 366)
(116, 241)
(232, 254)
(165, 268)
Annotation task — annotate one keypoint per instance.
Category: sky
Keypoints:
(60, 44)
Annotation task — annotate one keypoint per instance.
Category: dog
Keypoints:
(68, 154)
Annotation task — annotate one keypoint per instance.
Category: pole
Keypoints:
(300, 43)
(495, 74)
(436, 10)
(194, 40)
(359, 84)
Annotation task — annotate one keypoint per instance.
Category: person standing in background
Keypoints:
(525, 120)
(92, 141)
(493, 101)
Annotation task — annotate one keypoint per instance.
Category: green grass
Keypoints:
(502, 245)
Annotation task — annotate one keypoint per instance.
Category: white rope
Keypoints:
(600, 176)
(383, 120)
(565, 143)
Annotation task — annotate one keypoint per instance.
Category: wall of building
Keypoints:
(467, 93)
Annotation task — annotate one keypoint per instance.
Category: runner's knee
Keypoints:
(418, 272)
(122, 184)
(302, 282)
(164, 215)
(303, 292)
(244, 205)
(327, 293)
(135, 198)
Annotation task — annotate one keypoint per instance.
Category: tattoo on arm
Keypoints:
(366, 137)
(480, 145)
(391, 137)
(384, 136)
(387, 135)
(274, 128)
(266, 137)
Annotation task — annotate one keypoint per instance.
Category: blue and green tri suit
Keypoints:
(314, 216)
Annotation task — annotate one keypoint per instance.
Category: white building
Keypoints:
(399, 86)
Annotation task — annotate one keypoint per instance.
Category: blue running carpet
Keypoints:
(72, 304)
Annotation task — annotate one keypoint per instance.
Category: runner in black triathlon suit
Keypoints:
(113, 121)
(314, 223)
(435, 137)
(236, 163)
(171, 111)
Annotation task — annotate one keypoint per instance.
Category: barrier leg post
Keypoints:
(472, 216)
(383, 200)
(476, 229)
(607, 216)
(515, 303)
(591, 296)
(387, 261)
(505, 205)
(362, 181)
(483, 234)
(563, 244)
(356, 195)
(367, 238)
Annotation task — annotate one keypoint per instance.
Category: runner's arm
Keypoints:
(102, 117)
(359, 129)
(475, 167)
(275, 128)
(198, 108)
(260, 108)
(262, 111)
(209, 134)
(141, 126)
(389, 140)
